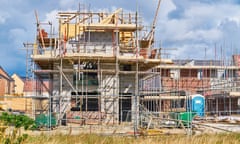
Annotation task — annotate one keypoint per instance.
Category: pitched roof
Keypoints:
(34, 85)
(4, 74)
(17, 76)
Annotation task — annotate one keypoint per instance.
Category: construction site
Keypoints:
(105, 68)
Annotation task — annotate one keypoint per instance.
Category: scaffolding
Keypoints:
(99, 68)
(93, 65)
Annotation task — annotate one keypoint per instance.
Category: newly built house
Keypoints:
(6, 87)
(6, 83)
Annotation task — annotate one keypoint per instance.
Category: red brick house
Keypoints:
(6, 84)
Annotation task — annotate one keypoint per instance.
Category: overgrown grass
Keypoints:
(233, 138)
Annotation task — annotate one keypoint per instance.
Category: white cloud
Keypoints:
(166, 7)
(201, 35)
(191, 25)
(51, 17)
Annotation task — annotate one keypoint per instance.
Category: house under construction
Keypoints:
(94, 65)
(102, 68)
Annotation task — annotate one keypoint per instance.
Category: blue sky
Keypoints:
(194, 27)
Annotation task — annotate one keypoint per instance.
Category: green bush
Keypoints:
(17, 122)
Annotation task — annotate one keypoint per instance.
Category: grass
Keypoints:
(233, 138)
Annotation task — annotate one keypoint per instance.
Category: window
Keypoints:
(200, 74)
(85, 78)
(85, 101)
(175, 74)
(127, 67)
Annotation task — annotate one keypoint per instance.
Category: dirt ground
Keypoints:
(197, 128)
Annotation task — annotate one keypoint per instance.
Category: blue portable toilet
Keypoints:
(197, 104)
